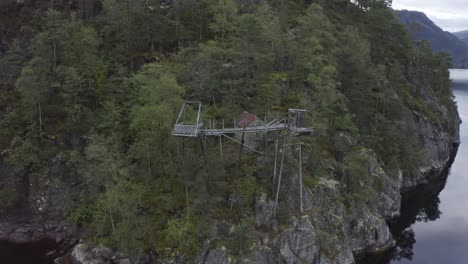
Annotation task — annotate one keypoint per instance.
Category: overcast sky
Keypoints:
(451, 15)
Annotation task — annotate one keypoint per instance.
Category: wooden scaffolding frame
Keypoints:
(183, 128)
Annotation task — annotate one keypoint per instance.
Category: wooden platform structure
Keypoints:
(183, 128)
(190, 124)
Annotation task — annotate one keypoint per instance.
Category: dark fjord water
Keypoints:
(42, 252)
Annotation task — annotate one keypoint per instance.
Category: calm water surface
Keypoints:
(42, 252)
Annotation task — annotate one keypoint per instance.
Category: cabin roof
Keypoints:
(245, 119)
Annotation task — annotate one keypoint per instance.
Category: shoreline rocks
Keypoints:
(32, 233)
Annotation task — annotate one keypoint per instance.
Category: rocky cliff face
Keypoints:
(328, 232)
(439, 147)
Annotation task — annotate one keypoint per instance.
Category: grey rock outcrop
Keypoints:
(84, 253)
(299, 243)
(217, 256)
(369, 233)
(438, 147)
(328, 232)
(81, 253)
(264, 212)
(439, 139)
(103, 252)
(264, 254)
(31, 233)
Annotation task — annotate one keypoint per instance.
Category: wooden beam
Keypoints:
(247, 146)
(221, 148)
(276, 158)
(300, 177)
(279, 181)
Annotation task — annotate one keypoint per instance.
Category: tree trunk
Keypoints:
(40, 118)
(55, 55)
(148, 160)
(112, 221)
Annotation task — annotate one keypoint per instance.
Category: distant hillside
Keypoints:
(463, 35)
(422, 28)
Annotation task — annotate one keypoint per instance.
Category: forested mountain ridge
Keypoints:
(90, 92)
(422, 28)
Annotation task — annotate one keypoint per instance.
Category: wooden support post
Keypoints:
(197, 125)
(183, 113)
(221, 147)
(148, 160)
(266, 157)
(240, 154)
(279, 180)
(238, 165)
(40, 119)
(181, 152)
(245, 145)
(205, 163)
(276, 158)
(300, 177)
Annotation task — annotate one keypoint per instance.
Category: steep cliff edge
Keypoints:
(331, 233)
(360, 231)
(88, 105)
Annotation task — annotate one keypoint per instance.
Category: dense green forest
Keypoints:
(98, 85)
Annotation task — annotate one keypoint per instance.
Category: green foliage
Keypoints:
(83, 215)
(183, 235)
(24, 153)
(129, 229)
(310, 181)
(360, 185)
(105, 93)
(159, 99)
(327, 243)
(247, 192)
(224, 17)
(283, 214)
(244, 236)
(9, 198)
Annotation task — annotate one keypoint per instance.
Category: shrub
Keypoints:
(8, 198)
